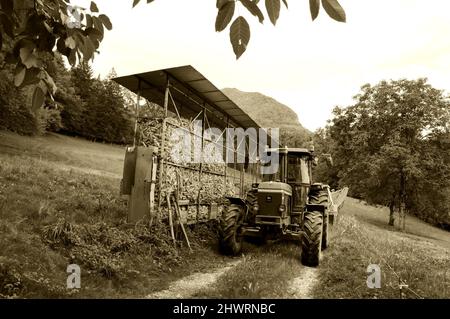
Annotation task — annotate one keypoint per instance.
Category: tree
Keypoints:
(67, 99)
(386, 145)
(324, 172)
(104, 116)
(36, 27)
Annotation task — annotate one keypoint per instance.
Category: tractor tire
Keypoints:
(251, 198)
(230, 238)
(312, 238)
(321, 198)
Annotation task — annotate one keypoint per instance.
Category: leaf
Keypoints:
(89, 49)
(334, 10)
(85, 45)
(273, 9)
(31, 76)
(72, 57)
(239, 36)
(93, 34)
(62, 48)
(94, 7)
(106, 22)
(38, 98)
(70, 43)
(98, 26)
(225, 15)
(314, 6)
(253, 8)
(286, 4)
(221, 3)
(135, 3)
(19, 75)
(26, 54)
(32, 61)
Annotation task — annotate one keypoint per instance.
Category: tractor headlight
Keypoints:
(282, 208)
(256, 207)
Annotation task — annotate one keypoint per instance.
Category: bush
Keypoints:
(49, 120)
(14, 114)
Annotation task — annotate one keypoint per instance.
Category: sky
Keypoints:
(311, 66)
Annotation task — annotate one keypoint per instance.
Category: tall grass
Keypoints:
(50, 218)
(423, 266)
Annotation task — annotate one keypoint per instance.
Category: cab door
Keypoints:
(299, 179)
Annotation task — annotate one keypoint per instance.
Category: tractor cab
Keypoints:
(295, 170)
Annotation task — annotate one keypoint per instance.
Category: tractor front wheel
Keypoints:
(312, 238)
(230, 232)
(320, 197)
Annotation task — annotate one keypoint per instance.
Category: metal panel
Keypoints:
(193, 84)
(139, 201)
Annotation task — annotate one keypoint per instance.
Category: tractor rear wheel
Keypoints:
(320, 197)
(230, 233)
(312, 238)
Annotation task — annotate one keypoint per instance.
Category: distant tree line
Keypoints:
(82, 106)
(392, 147)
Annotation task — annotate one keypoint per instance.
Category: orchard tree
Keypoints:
(30, 29)
(386, 145)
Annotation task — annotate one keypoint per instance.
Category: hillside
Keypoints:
(268, 112)
(60, 204)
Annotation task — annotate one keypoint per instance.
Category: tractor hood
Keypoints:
(275, 187)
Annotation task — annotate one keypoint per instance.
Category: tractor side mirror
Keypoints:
(315, 161)
(329, 159)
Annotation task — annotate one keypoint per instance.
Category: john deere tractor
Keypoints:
(285, 204)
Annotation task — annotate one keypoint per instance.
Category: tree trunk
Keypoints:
(391, 213)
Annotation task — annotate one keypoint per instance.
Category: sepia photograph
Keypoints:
(223, 157)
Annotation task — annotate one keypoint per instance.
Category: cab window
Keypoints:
(298, 171)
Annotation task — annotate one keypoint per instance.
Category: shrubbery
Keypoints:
(82, 106)
(14, 115)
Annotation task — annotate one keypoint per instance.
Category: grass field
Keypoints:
(419, 257)
(60, 204)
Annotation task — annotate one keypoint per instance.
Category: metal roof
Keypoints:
(191, 92)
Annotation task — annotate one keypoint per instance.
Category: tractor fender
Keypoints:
(236, 200)
(315, 208)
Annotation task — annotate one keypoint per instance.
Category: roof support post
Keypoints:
(162, 148)
(201, 166)
(166, 98)
(226, 153)
(136, 114)
(174, 106)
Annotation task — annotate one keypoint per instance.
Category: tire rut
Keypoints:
(190, 285)
(301, 286)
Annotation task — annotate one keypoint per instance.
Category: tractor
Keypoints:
(284, 204)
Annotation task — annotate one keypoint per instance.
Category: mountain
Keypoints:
(268, 112)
